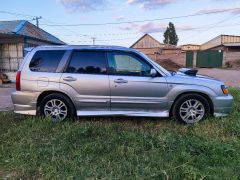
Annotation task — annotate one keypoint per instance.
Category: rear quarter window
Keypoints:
(46, 60)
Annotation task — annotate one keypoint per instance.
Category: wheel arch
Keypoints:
(194, 92)
(46, 93)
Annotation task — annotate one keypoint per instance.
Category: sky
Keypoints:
(123, 22)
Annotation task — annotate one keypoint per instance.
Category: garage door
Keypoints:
(210, 59)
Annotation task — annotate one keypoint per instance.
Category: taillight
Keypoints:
(18, 83)
(224, 89)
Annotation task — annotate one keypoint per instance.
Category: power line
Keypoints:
(16, 14)
(212, 26)
(146, 20)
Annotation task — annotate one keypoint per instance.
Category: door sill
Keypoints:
(124, 113)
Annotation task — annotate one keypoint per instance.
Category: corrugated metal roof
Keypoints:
(25, 28)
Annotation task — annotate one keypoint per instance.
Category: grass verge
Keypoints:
(117, 148)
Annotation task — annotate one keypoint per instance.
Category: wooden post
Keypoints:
(9, 59)
(17, 56)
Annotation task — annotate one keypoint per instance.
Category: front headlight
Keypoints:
(224, 89)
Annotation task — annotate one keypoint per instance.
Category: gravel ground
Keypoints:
(230, 77)
(5, 98)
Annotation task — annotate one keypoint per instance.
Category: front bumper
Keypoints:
(25, 102)
(222, 105)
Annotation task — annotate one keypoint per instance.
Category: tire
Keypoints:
(191, 108)
(58, 107)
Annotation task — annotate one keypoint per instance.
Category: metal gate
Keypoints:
(189, 59)
(209, 59)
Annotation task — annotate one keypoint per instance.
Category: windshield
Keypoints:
(156, 64)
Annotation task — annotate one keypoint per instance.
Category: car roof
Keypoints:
(85, 47)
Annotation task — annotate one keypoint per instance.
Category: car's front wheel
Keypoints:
(191, 108)
(57, 107)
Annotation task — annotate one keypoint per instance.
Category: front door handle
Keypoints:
(69, 79)
(120, 81)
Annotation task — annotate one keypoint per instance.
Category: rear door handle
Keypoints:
(120, 81)
(69, 79)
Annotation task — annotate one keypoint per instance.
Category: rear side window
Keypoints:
(88, 62)
(46, 60)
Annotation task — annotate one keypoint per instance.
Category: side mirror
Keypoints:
(153, 72)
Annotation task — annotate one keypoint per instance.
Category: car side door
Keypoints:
(132, 86)
(86, 74)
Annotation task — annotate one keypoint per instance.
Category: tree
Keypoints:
(170, 35)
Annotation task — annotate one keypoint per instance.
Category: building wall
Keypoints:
(230, 56)
(158, 54)
(10, 56)
(149, 51)
(230, 39)
(190, 47)
(179, 59)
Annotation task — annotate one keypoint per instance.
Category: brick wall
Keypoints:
(232, 56)
(177, 58)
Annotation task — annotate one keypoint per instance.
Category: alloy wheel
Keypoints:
(192, 111)
(56, 110)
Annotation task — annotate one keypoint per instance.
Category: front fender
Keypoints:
(177, 89)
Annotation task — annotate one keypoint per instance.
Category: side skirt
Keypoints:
(123, 113)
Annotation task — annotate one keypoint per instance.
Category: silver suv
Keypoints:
(62, 82)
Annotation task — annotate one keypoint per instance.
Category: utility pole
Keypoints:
(37, 20)
(94, 39)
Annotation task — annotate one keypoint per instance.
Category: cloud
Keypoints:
(221, 10)
(151, 4)
(83, 5)
(120, 18)
(153, 27)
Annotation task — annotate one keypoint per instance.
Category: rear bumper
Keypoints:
(222, 105)
(25, 102)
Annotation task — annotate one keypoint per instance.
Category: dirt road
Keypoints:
(230, 77)
(5, 98)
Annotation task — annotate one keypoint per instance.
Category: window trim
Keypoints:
(83, 50)
(132, 54)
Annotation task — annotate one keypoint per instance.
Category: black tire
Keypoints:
(57, 96)
(183, 99)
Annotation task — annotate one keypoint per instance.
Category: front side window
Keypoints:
(87, 62)
(46, 60)
(128, 64)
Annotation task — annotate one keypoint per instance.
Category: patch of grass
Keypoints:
(117, 148)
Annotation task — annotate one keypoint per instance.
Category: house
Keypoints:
(217, 52)
(148, 45)
(158, 51)
(17, 35)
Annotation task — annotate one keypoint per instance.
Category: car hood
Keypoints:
(181, 78)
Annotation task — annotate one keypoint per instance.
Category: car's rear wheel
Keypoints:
(191, 108)
(57, 107)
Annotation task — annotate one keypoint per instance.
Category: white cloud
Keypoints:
(120, 18)
(83, 5)
(151, 4)
(152, 27)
